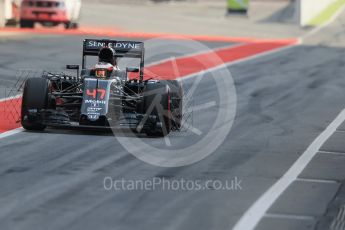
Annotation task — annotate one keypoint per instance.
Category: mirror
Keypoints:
(72, 67)
(132, 70)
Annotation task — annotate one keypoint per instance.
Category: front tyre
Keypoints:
(176, 92)
(26, 24)
(157, 102)
(35, 99)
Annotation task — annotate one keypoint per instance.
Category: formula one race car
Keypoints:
(104, 96)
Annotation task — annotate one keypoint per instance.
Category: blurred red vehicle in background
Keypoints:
(50, 13)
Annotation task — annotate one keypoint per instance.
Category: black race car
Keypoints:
(104, 96)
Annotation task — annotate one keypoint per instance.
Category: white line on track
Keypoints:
(228, 64)
(257, 211)
(10, 98)
(11, 132)
(196, 53)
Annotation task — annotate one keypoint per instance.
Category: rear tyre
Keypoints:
(75, 25)
(71, 25)
(26, 24)
(157, 103)
(35, 97)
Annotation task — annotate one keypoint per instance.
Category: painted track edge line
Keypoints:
(234, 45)
(245, 59)
(257, 211)
(11, 132)
(10, 98)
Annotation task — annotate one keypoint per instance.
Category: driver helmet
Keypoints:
(107, 55)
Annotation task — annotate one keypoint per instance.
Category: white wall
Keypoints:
(2, 13)
(308, 9)
(8, 9)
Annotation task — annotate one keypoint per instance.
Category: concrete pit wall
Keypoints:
(309, 9)
(2, 13)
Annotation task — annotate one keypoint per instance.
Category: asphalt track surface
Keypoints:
(54, 179)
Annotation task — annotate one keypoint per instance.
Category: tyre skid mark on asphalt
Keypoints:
(316, 180)
(334, 153)
(187, 66)
(289, 216)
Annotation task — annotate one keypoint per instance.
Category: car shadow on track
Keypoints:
(93, 132)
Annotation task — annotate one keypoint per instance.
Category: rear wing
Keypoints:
(123, 49)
